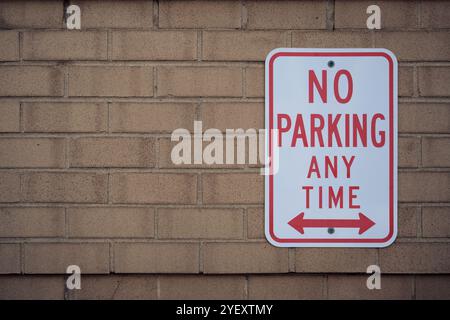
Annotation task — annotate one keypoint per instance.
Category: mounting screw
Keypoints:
(331, 63)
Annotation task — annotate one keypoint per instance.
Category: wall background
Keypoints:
(85, 170)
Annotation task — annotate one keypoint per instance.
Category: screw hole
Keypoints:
(331, 63)
(330, 230)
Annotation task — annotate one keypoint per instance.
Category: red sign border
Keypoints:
(391, 144)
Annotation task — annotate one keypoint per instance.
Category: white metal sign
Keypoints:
(331, 116)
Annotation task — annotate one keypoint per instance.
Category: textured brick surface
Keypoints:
(424, 186)
(286, 287)
(64, 187)
(112, 152)
(116, 14)
(336, 39)
(405, 81)
(152, 45)
(199, 14)
(408, 221)
(9, 187)
(32, 288)
(436, 222)
(116, 287)
(10, 258)
(9, 51)
(424, 118)
(156, 257)
(254, 82)
(409, 152)
(232, 115)
(32, 222)
(200, 224)
(34, 152)
(31, 81)
(415, 258)
(45, 258)
(334, 259)
(241, 46)
(244, 258)
(392, 287)
(10, 119)
(204, 81)
(65, 117)
(202, 287)
(433, 81)
(30, 14)
(153, 188)
(286, 14)
(255, 223)
(433, 287)
(111, 222)
(111, 81)
(394, 14)
(435, 14)
(151, 117)
(232, 188)
(436, 152)
(64, 45)
(434, 44)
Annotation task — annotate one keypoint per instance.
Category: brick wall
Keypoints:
(85, 170)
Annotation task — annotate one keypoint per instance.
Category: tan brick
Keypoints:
(9, 187)
(32, 222)
(408, 152)
(394, 14)
(286, 287)
(156, 257)
(255, 223)
(240, 45)
(200, 224)
(10, 119)
(415, 258)
(436, 222)
(65, 187)
(254, 82)
(56, 257)
(354, 287)
(247, 257)
(118, 81)
(116, 14)
(233, 188)
(32, 152)
(286, 14)
(434, 45)
(21, 287)
(435, 14)
(151, 117)
(408, 220)
(199, 14)
(112, 152)
(31, 14)
(334, 259)
(31, 81)
(153, 188)
(9, 51)
(65, 117)
(200, 81)
(424, 186)
(116, 287)
(424, 118)
(433, 81)
(9, 258)
(226, 115)
(154, 45)
(64, 45)
(111, 222)
(166, 147)
(435, 287)
(405, 81)
(436, 152)
(335, 39)
(200, 287)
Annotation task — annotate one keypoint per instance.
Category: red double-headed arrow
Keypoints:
(299, 223)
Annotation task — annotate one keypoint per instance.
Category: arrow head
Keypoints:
(297, 222)
(364, 223)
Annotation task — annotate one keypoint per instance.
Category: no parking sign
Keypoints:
(331, 115)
